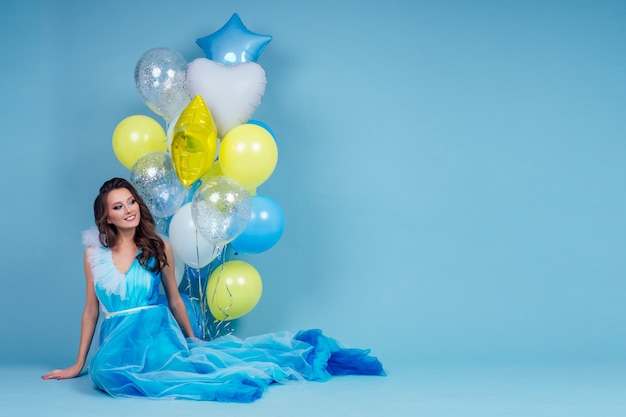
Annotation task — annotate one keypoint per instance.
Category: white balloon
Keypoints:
(187, 242)
(231, 92)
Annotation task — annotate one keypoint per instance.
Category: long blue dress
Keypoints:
(143, 352)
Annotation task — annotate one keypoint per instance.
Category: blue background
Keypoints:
(452, 173)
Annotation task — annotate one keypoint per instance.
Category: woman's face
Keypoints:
(122, 209)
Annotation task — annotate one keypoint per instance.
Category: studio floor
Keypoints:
(433, 390)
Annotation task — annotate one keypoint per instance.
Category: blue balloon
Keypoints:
(197, 273)
(265, 228)
(263, 125)
(191, 191)
(162, 225)
(233, 43)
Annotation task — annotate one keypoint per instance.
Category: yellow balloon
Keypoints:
(248, 154)
(194, 142)
(233, 290)
(136, 136)
(215, 171)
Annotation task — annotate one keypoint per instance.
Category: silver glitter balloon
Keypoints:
(156, 181)
(221, 209)
(161, 79)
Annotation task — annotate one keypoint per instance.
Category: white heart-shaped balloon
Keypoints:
(231, 92)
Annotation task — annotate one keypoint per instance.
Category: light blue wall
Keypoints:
(452, 172)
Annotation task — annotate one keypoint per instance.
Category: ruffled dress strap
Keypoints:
(91, 237)
(105, 273)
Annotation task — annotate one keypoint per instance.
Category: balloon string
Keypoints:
(223, 324)
(201, 295)
(223, 310)
(210, 328)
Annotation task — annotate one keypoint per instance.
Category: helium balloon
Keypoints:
(220, 209)
(199, 273)
(265, 228)
(155, 179)
(162, 225)
(161, 79)
(194, 142)
(136, 136)
(187, 242)
(233, 290)
(248, 154)
(233, 43)
(263, 125)
(232, 93)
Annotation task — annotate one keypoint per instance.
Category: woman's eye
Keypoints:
(118, 207)
(131, 202)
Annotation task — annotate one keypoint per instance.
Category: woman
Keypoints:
(142, 350)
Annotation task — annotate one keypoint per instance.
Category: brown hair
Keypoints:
(146, 237)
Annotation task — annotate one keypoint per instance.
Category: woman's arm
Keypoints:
(176, 303)
(87, 329)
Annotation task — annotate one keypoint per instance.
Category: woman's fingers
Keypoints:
(57, 374)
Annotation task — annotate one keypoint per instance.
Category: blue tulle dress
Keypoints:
(143, 352)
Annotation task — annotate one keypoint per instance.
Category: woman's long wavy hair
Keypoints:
(146, 237)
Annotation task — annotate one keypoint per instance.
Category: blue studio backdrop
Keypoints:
(451, 173)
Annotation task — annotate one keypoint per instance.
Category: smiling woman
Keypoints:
(123, 211)
(148, 349)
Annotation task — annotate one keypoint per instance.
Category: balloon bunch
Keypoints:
(200, 174)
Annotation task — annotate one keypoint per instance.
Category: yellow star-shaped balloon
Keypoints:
(194, 142)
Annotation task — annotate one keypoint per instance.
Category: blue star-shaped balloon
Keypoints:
(233, 43)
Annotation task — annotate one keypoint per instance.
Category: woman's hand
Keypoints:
(71, 372)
